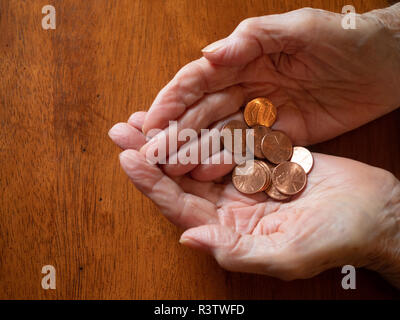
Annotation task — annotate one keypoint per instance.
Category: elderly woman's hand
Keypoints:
(349, 213)
(324, 80)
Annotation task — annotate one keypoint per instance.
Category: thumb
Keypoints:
(233, 251)
(254, 37)
(227, 247)
(209, 238)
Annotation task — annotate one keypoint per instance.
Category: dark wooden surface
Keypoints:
(64, 199)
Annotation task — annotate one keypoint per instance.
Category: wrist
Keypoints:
(385, 26)
(385, 254)
(388, 18)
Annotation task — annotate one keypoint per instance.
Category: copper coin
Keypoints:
(233, 136)
(267, 172)
(249, 177)
(260, 111)
(289, 178)
(273, 192)
(277, 147)
(303, 157)
(258, 134)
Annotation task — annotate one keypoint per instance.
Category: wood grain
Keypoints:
(65, 200)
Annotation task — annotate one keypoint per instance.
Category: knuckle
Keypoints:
(224, 262)
(307, 11)
(248, 25)
(303, 24)
(308, 18)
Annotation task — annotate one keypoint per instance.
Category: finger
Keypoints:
(129, 135)
(183, 209)
(136, 120)
(210, 142)
(188, 86)
(261, 36)
(242, 252)
(207, 190)
(222, 65)
(126, 136)
(218, 165)
(211, 108)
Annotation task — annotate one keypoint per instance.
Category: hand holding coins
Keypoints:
(243, 232)
(279, 170)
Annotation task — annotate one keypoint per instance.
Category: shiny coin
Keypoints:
(303, 157)
(258, 134)
(267, 172)
(273, 192)
(233, 136)
(289, 178)
(249, 177)
(277, 147)
(260, 111)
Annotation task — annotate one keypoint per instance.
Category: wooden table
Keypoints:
(64, 199)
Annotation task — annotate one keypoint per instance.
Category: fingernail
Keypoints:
(213, 47)
(115, 131)
(133, 121)
(126, 155)
(136, 120)
(189, 242)
(185, 241)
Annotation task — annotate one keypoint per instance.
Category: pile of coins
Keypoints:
(277, 168)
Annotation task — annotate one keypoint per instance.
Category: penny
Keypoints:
(277, 147)
(281, 169)
(233, 136)
(289, 178)
(267, 172)
(249, 177)
(258, 134)
(273, 192)
(303, 157)
(260, 111)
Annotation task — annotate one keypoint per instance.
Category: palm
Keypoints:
(330, 180)
(335, 209)
(332, 220)
(324, 81)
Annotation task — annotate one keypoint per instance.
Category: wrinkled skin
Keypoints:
(325, 81)
(340, 218)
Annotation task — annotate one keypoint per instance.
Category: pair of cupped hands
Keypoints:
(324, 80)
